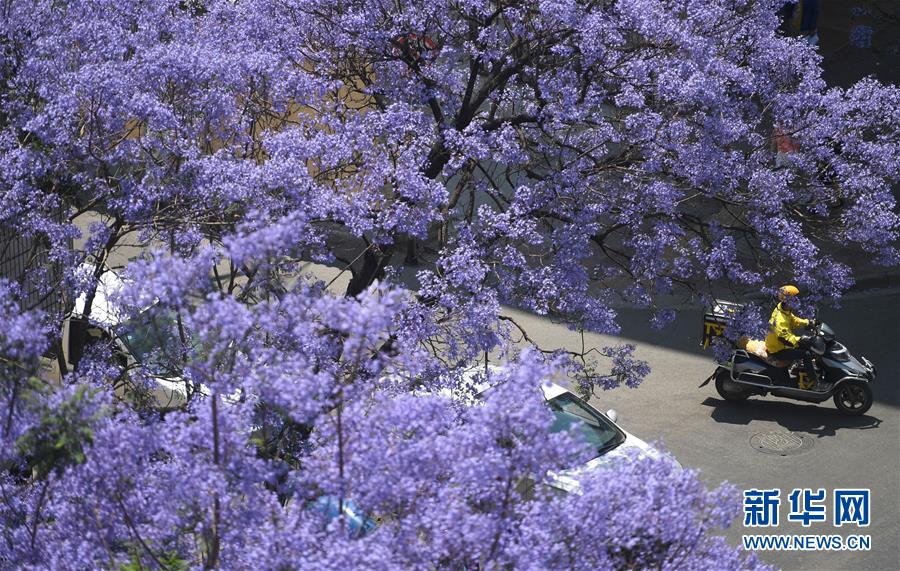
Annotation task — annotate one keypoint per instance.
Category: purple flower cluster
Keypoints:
(24, 336)
(861, 36)
(444, 159)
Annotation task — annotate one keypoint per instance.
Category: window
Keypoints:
(598, 432)
(149, 337)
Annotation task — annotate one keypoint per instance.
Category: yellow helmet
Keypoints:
(787, 291)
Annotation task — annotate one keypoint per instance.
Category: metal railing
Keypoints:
(25, 260)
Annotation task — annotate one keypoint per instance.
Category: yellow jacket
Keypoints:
(781, 330)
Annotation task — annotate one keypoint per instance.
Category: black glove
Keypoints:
(805, 342)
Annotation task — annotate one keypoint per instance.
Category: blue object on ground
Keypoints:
(358, 522)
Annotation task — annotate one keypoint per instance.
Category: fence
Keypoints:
(25, 261)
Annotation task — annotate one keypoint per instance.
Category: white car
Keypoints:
(150, 330)
(612, 442)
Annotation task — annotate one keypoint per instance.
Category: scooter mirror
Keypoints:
(612, 414)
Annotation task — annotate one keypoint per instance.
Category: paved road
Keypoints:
(707, 433)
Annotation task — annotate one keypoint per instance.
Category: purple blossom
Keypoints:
(25, 335)
(861, 36)
(555, 156)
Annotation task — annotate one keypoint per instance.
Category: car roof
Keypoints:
(549, 388)
(102, 309)
(552, 390)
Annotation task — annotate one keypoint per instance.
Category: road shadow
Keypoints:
(815, 420)
(685, 334)
(868, 326)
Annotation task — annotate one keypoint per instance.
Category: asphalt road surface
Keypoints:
(709, 434)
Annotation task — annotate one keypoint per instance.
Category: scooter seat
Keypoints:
(770, 362)
(757, 350)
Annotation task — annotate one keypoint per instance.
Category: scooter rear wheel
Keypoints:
(728, 389)
(853, 397)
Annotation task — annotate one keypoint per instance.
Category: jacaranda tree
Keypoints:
(450, 156)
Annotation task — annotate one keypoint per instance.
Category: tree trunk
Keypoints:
(374, 262)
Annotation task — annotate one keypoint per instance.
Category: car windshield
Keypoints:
(597, 431)
(149, 337)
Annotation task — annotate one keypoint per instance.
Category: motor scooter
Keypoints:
(749, 371)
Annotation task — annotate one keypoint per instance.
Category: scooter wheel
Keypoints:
(728, 389)
(853, 398)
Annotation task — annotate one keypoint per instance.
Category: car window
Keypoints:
(149, 336)
(569, 411)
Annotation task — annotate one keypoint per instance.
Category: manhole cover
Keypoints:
(782, 443)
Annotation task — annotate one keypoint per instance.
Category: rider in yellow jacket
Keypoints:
(782, 344)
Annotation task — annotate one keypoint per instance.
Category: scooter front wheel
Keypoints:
(853, 397)
(728, 389)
